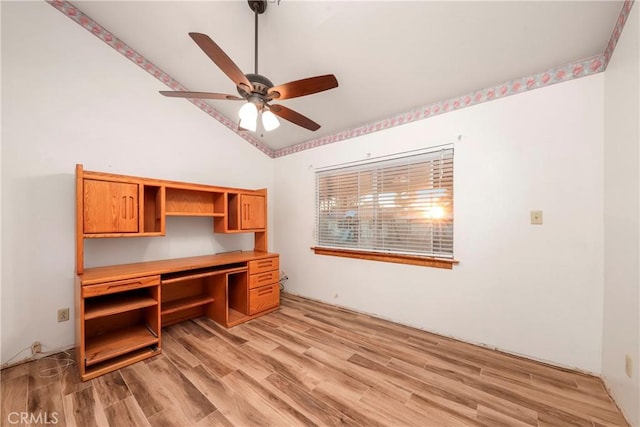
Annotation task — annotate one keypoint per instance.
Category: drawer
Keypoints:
(263, 298)
(119, 286)
(262, 279)
(262, 265)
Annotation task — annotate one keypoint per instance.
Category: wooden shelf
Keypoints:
(119, 362)
(116, 303)
(169, 307)
(209, 214)
(121, 309)
(100, 236)
(118, 342)
(234, 317)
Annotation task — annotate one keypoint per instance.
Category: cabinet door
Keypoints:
(252, 212)
(110, 207)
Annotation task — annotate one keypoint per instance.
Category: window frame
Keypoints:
(388, 254)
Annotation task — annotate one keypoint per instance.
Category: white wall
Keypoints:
(68, 98)
(531, 290)
(621, 330)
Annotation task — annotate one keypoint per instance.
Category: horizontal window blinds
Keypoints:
(402, 206)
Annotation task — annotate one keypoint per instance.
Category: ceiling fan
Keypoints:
(258, 90)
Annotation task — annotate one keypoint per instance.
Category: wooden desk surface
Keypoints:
(127, 271)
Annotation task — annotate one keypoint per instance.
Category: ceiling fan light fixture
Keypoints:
(269, 121)
(257, 89)
(248, 116)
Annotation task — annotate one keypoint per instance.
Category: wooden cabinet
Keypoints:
(120, 310)
(110, 207)
(245, 212)
(119, 322)
(264, 284)
(252, 210)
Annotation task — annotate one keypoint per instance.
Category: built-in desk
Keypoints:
(121, 309)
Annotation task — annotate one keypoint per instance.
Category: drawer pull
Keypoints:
(264, 278)
(264, 298)
(263, 265)
(265, 291)
(115, 286)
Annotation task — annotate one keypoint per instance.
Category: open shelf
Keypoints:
(146, 234)
(120, 362)
(237, 293)
(152, 209)
(169, 307)
(194, 203)
(209, 214)
(184, 314)
(117, 342)
(233, 212)
(117, 303)
(234, 317)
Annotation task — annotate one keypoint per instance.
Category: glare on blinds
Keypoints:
(400, 206)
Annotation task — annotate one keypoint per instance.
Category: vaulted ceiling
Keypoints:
(393, 59)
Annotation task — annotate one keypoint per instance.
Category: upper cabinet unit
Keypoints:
(252, 209)
(246, 212)
(110, 207)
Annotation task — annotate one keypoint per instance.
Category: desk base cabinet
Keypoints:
(119, 319)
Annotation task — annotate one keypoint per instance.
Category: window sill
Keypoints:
(396, 258)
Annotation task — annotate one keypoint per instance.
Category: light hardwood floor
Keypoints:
(313, 364)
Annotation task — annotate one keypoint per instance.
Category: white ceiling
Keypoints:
(389, 56)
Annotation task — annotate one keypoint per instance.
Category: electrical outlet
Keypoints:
(63, 314)
(536, 217)
(628, 365)
(36, 348)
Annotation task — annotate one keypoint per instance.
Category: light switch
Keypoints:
(536, 217)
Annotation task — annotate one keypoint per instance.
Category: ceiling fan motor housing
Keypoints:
(260, 83)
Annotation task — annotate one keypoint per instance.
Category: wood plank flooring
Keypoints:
(312, 364)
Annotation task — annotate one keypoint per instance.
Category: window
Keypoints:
(392, 210)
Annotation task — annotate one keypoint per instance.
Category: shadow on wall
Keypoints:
(186, 236)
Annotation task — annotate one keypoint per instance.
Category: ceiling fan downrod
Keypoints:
(258, 7)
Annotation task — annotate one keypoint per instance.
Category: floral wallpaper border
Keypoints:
(97, 30)
(555, 75)
(617, 30)
(562, 73)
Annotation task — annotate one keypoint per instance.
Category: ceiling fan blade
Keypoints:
(303, 87)
(199, 95)
(294, 117)
(221, 59)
